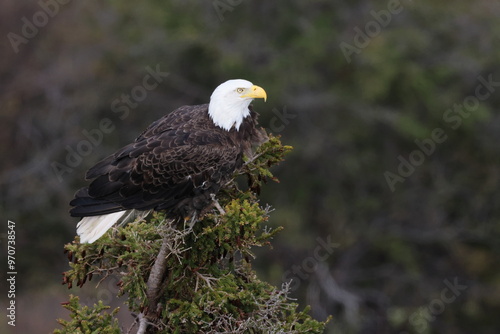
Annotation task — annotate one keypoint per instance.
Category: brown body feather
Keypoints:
(174, 165)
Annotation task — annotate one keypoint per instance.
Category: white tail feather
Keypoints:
(92, 228)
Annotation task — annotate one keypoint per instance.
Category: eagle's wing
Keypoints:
(158, 172)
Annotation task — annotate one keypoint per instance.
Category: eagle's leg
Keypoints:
(192, 220)
(217, 205)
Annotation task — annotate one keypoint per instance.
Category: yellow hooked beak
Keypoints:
(255, 92)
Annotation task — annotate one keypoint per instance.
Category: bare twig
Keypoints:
(207, 280)
(154, 285)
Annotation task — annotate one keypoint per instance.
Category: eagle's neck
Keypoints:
(226, 114)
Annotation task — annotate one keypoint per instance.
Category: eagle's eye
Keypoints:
(240, 90)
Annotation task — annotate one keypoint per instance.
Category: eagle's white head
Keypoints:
(229, 102)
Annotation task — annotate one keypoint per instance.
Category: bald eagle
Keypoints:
(176, 165)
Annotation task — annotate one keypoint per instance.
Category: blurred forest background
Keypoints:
(390, 198)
